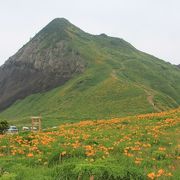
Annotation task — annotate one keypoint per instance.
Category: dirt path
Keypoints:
(150, 99)
(150, 95)
(113, 74)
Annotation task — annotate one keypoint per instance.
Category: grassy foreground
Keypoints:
(139, 147)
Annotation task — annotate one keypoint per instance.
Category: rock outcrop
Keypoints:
(45, 62)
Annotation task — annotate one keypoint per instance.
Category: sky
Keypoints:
(152, 26)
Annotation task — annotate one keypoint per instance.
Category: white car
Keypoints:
(34, 128)
(25, 128)
(12, 130)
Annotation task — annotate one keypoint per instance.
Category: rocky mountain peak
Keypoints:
(46, 61)
(58, 25)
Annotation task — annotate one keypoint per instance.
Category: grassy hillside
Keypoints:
(139, 147)
(119, 80)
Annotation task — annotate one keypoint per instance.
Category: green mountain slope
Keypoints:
(118, 80)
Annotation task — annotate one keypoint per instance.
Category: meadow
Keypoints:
(145, 146)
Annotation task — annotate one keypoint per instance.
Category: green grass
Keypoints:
(123, 148)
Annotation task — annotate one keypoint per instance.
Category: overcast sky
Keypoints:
(152, 26)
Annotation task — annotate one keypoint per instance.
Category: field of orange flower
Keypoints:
(140, 147)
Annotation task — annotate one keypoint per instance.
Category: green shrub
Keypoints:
(3, 126)
(159, 155)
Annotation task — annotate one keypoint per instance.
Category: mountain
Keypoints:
(178, 66)
(64, 73)
(42, 64)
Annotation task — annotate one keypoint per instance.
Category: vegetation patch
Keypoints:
(139, 147)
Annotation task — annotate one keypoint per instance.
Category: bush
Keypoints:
(3, 126)
(159, 155)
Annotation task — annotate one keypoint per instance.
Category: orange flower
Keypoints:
(137, 162)
(129, 155)
(90, 153)
(151, 175)
(169, 174)
(136, 148)
(161, 171)
(30, 155)
(63, 153)
(162, 148)
(88, 147)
